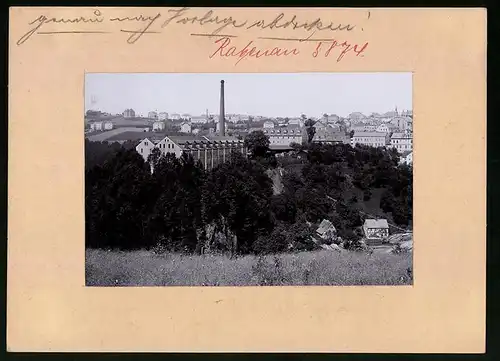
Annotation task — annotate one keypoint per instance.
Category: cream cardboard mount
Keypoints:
(50, 309)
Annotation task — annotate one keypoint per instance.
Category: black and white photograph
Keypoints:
(248, 179)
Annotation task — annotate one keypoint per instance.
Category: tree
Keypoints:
(117, 199)
(154, 157)
(236, 198)
(311, 130)
(257, 143)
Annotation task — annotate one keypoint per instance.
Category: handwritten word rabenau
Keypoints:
(249, 50)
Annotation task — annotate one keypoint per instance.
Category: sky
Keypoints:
(266, 94)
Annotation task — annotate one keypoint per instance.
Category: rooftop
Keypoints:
(369, 134)
(135, 135)
(401, 135)
(376, 223)
(219, 138)
(325, 226)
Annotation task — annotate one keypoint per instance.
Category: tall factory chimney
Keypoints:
(222, 119)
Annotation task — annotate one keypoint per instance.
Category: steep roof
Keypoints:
(219, 138)
(329, 135)
(369, 134)
(400, 135)
(376, 223)
(135, 135)
(182, 139)
(325, 226)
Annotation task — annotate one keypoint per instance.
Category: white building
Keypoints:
(153, 115)
(96, 126)
(296, 121)
(332, 118)
(158, 126)
(129, 113)
(144, 148)
(108, 125)
(175, 116)
(199, 119)
(403, 142)
(408, 159)
(371, 139)
(375, 230)
(268, 124)
(284, 136)
(163, 116)
(403, 123)
(357, 116)
(186, 127)
(382, 128)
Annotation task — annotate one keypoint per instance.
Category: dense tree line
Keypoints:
(175, 204)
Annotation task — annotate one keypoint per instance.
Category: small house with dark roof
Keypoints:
(326, 231)
(330, 136)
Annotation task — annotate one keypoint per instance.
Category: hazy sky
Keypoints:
(271, 94)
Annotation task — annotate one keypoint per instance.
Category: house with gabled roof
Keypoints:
(376, 230)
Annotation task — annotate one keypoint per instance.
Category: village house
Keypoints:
(392, 128)
(375, 230)
(336, 127)
(296, 122)
(210, 150)
(268, 124)
(129, 113)
(186, 127)
(407, 113)
(364, 128)
(330, 136)
(199, 119)
(163, 116)
(383, 128)
(175, 116)
(153, 115)
(332, 118)
(371, 139)
(326, 231)
(108, 125)
(321, 125)
(407, 159)
(403, 123)
(96, 126)
(145, 147)
(356, 116)
(403, 142)
(284, 136)
(158, 126)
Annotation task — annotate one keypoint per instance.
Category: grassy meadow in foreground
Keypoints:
(144, 268)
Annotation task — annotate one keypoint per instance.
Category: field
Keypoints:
(144, 268)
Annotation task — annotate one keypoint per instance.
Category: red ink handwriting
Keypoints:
(249, 50)
(345, 46)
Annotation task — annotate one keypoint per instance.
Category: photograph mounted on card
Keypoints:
(294, 176)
